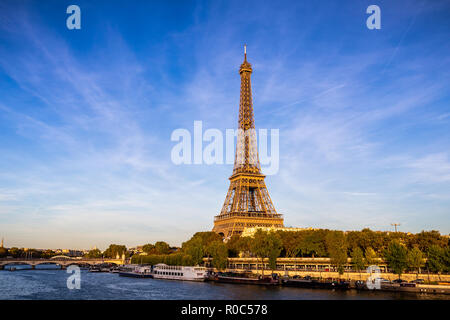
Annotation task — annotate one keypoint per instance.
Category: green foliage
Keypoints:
(274, 242)
(244, 244)
(367, 238)
(237, 245)
(337, 249)
(415, 259)
(370, 256)
(426, 239)
(94, 253)
(446, 259)
(175, 259)
(114, 250)
(291, 242)
(396, 256)
(233, 246)
(266, 245)
(312, 243)
(196, 246)
(195, 249)
(162, 247)
(3, 252)
(436, 259)
(16, 252)
(358, 259)
(48, 254)
(159, 247)
(149, 248)
(219, 254)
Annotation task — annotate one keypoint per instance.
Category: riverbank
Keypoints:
(353, 276)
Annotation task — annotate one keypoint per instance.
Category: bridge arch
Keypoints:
(62, 257)
(57, 263)
(16, 263)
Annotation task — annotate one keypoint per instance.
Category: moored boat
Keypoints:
(163, 271)
(242, 278)
(308, 282)
(94, 269)
(138, 272)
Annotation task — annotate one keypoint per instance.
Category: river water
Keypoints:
(50, 283)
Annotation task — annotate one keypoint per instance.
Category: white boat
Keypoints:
(163, 271)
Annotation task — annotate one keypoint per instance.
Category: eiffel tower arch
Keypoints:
(247, 203)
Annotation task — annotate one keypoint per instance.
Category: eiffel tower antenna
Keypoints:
(247, 203)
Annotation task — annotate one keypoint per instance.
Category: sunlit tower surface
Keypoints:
(247, 203)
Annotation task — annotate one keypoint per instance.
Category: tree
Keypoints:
(266, 245)
(94, 253)
(415, 260)
(162, 247)
(275, 245)
(436, 259)
(174, 259)
(447, 260)
(3, 252)
(367, 238)
(244, 245)
(196, 246)
(195, 249)
(16, 252)
(148, 248)
(219, 253)
(313, 243)
(337, 249)
(290, 242)
(233, 245)
(115, 250)
(396, 257)
(48, 253)
(426, 239)
(358, 260)
(370, 256)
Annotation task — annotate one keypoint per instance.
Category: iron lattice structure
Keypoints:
(247, 203)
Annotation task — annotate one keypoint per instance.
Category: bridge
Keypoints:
(62, 261)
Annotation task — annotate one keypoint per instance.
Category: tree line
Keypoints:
(401, 251)
(26, 253)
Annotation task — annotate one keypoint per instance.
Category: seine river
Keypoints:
(51, 284)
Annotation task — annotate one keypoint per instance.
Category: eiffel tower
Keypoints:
(247, 203)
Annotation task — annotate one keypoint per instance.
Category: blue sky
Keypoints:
(86, 115)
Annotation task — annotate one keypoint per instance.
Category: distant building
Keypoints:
(137, 250)
(69, 252)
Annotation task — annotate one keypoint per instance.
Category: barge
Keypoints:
(245, 279)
